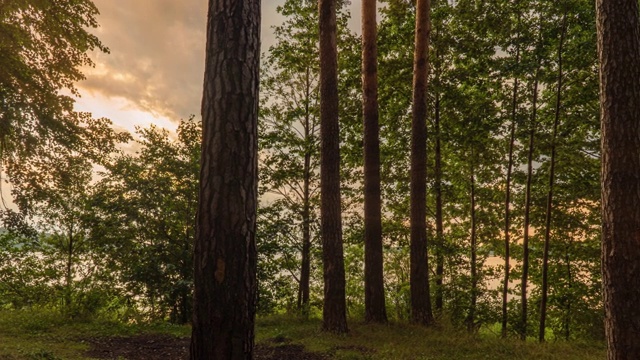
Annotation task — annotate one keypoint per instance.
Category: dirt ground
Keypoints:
(164, 347)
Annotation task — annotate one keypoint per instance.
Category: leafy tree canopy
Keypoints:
(43, 46)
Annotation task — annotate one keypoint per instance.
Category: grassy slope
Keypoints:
(42, 335)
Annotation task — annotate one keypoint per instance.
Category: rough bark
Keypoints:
(547, 230)
(527, 211)
(619, 53)
(334, 309)
(225, 250)
(421, 312)
(374, 301)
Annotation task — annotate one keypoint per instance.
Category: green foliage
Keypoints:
(44, 44)
(143, 219)
(289, 142)
(473, 67)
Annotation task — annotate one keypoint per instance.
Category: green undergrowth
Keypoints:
(47, 335)
(405, 341)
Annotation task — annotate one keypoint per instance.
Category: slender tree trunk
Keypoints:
(471, 316)
(507, 201)
(374, 301)
(421, 312)
(527, 210)
(547, 231)
(334, 310)
(225, 249)
(439, 217)
(305, 273)
(69, 274)
(440, 245)
(619, 53)
(186, 274)
(567, 321)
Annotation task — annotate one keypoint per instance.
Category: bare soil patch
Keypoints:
(165, 347)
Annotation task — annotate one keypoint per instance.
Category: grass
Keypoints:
(404, 341)
(35, 335)
(47, 335)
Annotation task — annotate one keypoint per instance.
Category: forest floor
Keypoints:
(40, 335)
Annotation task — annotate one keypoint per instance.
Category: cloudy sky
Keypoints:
(155, 69)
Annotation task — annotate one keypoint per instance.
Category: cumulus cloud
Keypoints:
(157, 53)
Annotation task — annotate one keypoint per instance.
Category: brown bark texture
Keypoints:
(374, 301)
(619, 53)
(334, 309)
(225, 250)
(421, 312)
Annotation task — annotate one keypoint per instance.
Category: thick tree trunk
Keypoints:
(619, 53)
(419, 282)
(439, 217)
(507, 201)
(225, 250)
(374, 301)
(547, 230)
(334, 310)
(527, 211)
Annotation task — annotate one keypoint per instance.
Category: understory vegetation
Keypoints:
(46, 335)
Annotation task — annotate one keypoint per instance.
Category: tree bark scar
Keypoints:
(219, 274)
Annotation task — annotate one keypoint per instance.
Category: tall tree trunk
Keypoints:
(334, 310)
(471, 316)
(437, 174)
(507, 200)
(225, 249)
(305, 273)
(439, 218)
(419, 282)
(527, 211)
(374, 301)
(619, 53)
(547, 229)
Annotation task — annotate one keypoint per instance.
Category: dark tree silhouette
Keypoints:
(225, 250)
(373, 261)
(619, 53)
(419, 282)
(334, 309)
